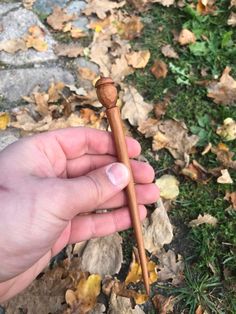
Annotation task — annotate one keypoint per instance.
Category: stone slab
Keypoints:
(20, 82)
(46, 6)
(6, 7)
(15, 25)
(8, 137)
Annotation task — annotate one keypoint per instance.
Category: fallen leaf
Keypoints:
(122, 305)
(94, 257)
(84, 298)
(138, 59)
(59, 17)
(228, 130)
(159, 69)
(54, 91)
(87, 74)
(233, 3)
(223, 92)
(157, 229)
(120, 69)
(231, 197)
(41, 101)
(13, 45)
(130, 27)
(4, 120)
(169, 52)
(232, 19)
(207, 149)
(135, 270)
(135, 109)
(100, 8)
(169, 186)
(161, 107)
(186, 37)
(70, 51)
(99, 55)
(28, 4)
(196, 172)
(206, 7)
(171, 267)
(224, 156)
(35, 39)
(77, 33)
(162, 304)
(225, 177)
(203, 219)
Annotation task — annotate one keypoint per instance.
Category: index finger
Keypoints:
(78, 141)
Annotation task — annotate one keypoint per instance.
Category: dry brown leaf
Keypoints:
(59, 17)
(206, 7)
(70, 51)
(77, 33)
(41, 101)
(203, 219)
(159, 69)
(161, 107)
(122, 305)
(99, 54)
(169, 186)
(135, 270)
(224, 156)
(142, 5)
(162, 304)
(135, 109)
(130, 27)
(28, 4)
(232, 19)
(84, 298)
(225, 177)
(186, 37)
(171, 267)
(13, 45)
(4, 120)
(157, 230)
(223, 92)
(233, 3)
(100, 8)
(35, 39)
(94, 258)
(120, 69)
(231, 197)
(87, 74)
(196, 172)
(169, 52)
(138, 59)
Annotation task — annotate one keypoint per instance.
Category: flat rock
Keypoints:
(83, 63)
(46, 6)
(20, 82)
(15, 25)
(6, 7)
(7, 137)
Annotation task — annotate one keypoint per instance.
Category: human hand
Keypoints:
(47, 184)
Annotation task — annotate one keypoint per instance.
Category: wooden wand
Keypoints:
(107, 95)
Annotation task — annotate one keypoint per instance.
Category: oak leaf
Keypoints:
(100, 8)
(70, 51)
(120, 69)
(170, 267)
(186, 37)
(224, 156)
(228, 130)
(13, 45)
(122, 305)
(157, 229)
(223, 92)
(196, 172)
(169, 52)
(232, 19)
(159, 69)
(203, 219)
(59, 17)
(231, 197)
(135, 109)
(130, 27)
(162, 304)
(28, 4)
(138, 59)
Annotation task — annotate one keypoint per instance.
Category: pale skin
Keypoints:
(47, 184)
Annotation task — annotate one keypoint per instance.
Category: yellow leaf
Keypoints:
(135, 272)
(228, 130)
(4, 120)
(169, 186)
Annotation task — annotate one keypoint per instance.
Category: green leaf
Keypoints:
(199, 49)
(227, 39)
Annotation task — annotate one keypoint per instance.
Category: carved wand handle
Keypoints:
(107, 95)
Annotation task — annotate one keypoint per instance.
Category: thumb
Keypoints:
(68, 197)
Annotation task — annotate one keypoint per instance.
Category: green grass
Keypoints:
(210, 276)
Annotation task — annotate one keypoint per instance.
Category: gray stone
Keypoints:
(76, 7)
(6, 138)
(46, 6)
(20, 82)
(6, 7)
(81, 23)
(15, 25)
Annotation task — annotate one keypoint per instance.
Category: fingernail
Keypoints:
(117, 173)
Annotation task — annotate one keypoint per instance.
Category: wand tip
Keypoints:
(106, 92)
